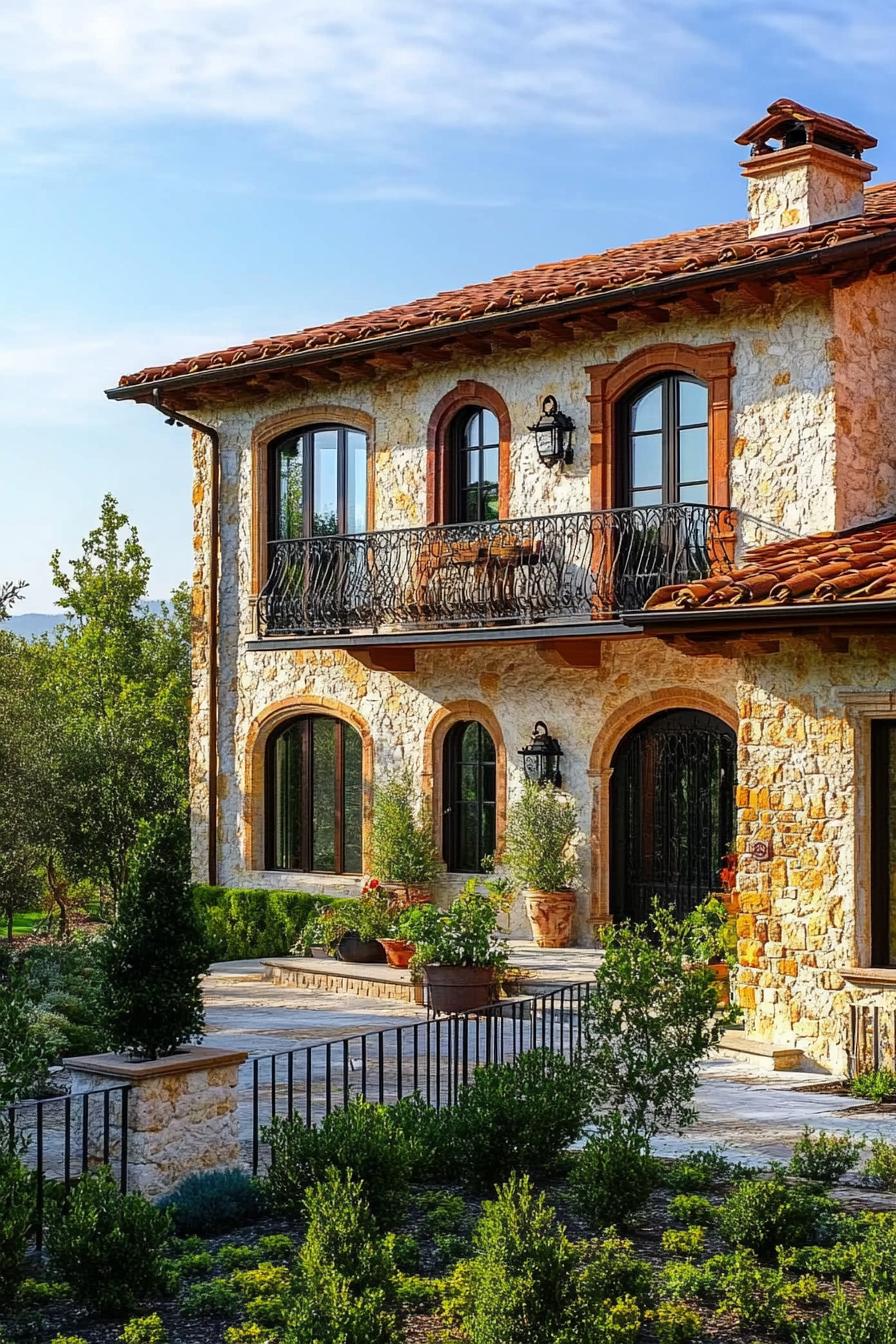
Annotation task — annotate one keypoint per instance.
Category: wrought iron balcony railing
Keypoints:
(563, 568)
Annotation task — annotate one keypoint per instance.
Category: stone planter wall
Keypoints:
(182, 1113)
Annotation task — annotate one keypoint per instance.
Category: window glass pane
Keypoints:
(286, 798)
(355, 481)
(693, 454)
(647, 460)
(324, 522)
(289, 484)
(694, 494)
(490, 431)
(323, 794)
(490, 465)
(469, 512)
(693, 403)
(471, 468)
(351, 809)
(487, 830)
(471, 431)
(489, 505)
(647, 412)
(641, 498)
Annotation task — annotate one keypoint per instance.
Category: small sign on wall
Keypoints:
(761, 850)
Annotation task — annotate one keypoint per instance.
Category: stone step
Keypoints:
(763, 1054)
(368, 981)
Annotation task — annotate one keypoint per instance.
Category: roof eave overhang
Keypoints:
(821, 258)
(788, 619)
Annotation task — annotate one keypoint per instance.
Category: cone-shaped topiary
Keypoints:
(155, 952)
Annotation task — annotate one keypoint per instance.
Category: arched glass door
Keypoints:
(671, 812)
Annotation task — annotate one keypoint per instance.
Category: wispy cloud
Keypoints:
(356, 69)
(837, 32)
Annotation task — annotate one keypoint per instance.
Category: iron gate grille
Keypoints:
(672, 808)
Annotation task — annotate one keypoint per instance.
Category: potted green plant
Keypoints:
(458, 949)
(350, 931)
(540, 852)
(403, 852)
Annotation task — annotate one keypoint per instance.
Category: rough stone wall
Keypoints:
(864, 318)
(783, 196)
(199, 631)
(803, 913)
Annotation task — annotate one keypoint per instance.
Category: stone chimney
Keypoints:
(812, 173)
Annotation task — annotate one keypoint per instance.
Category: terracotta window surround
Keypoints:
(610, 383)
(263, 435)
(255, 751)
(459, 711)
(468, 392)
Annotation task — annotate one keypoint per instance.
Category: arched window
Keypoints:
(313, 791)
(474, 441)
(317, 482)
(664, 442)
(469, 797)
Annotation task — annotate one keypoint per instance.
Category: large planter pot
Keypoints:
(551, 915)
(458, 989)
(398, 951)
(353, 948)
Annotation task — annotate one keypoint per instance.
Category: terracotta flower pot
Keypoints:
(722, 972)
(551, 915)
(412, 894)
(398, 951)
(459, 989)
(353, 948)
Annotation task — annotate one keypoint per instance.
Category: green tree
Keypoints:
(24, 779)
(117, 691)
(155, 952)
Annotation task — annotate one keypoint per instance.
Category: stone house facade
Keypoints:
(387, 573)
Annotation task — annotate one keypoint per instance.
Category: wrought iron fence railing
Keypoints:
(569, 567)
(435, 1058)
(61, 1138)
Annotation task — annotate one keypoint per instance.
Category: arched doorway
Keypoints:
(671, 811)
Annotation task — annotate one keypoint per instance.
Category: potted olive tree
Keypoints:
(540, 852)
(458, 949)
(403, 852)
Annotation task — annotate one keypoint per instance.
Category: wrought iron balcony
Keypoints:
(562, 568)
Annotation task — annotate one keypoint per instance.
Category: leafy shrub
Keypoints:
(151, 997)
(881, 1165)
(41, 1292)
(263, 1291)
(463, 935)
(823, 1158)
(345, 1284)
(64, 983)
(428, 1134)
(682, 1280)
(752, 1293)
(806, 1291)
(214, 1298)
(517, 1117)
(194, 1264)
(242, 923)
(518, 1289)
(405, 1252)
(248, 1333)
(401, 838)
(68, 1339)
(686, 1242)
(363, 1138)
(278, 1247)
(701, 1170)
(675, 1323)
(17, 1213)
(418, 1293)
(870, 1320)
(444, 1212)
(651, 1018)
(874, 1254)
(874, 1085)
(25, 1052)
(144, 1330)
(832, 1262)
(762, 1215)
(613, 1175)
(108, 1246)
(539, 846)
(230, 1258)
(611, 1323)
(693, 1210)
(610, 1269)
(451, 1247)
(214, 1201)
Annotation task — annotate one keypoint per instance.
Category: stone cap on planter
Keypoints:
(189, 1059)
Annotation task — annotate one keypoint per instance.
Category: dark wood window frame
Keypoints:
(460, 453)
(454, 832)
(305, 724)
(305, 434)
(671, 428)
(883, 744)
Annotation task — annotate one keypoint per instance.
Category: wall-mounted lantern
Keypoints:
(541, 758)
(553, 434)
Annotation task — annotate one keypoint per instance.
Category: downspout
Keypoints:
(178, 418)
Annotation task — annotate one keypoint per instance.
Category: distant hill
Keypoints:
(35, 624)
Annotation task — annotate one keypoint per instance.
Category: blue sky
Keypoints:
(176, 177)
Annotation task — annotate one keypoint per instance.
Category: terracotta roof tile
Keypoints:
(714, 248)
(828, 567)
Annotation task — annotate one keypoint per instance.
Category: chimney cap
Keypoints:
(792, 124)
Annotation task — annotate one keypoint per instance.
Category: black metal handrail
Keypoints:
(435, 1058)
(61, 1138)
(565, 567)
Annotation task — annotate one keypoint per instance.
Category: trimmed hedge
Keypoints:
(244, 922)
